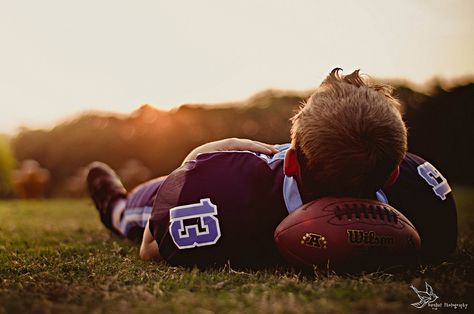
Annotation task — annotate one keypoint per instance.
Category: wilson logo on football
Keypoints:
(314, 240)
(370, 238)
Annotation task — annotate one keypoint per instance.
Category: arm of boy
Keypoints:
(149, 247)
(237, 144)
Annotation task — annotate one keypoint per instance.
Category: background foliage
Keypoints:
(439, 124)
(7, 163)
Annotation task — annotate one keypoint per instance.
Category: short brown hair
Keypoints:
(349, 136)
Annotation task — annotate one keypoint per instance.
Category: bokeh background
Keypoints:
(138, 85)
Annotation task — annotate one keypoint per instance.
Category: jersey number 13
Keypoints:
(194, 224)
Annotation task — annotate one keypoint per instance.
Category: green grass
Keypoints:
(55, 256)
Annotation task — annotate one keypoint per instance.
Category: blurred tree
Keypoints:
(76, 184)
(31, 180)
(159, 140)
(441, 130)
(7, 163)
(133, 173)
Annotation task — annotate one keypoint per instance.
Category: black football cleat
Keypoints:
(105, 188)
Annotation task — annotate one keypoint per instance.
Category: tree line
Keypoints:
(439, 124)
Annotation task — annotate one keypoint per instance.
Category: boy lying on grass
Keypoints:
(225, 201)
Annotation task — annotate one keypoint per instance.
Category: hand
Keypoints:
(227, 144)
(149, 247)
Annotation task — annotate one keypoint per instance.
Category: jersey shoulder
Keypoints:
(423, 194)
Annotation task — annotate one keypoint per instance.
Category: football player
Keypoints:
(225, 201)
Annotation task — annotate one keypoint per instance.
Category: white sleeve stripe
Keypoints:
(381, 196)
(291, 194)
(134, 219)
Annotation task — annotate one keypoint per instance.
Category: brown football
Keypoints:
(347, 235)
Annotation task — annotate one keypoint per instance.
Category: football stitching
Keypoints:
(379, 212)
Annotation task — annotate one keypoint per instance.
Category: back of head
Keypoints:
(349, 137)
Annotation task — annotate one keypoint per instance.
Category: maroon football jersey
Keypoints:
(223, 208)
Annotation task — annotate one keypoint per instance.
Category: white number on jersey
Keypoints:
(434, 178)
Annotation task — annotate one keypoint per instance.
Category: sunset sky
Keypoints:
(59, 58)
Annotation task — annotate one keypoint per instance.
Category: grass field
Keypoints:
(55, 256)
